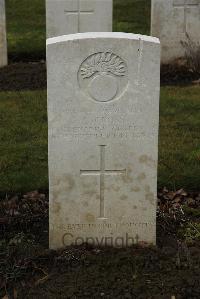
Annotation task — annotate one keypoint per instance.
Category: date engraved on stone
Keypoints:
(103, 76)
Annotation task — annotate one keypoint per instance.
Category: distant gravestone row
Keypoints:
(73, 16)
(175, 22)
(172, 21)
(3, 42)
(103, 111)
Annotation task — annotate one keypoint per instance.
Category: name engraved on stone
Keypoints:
(77, 13)
(185, 4)
(102, 172)
(103, 76)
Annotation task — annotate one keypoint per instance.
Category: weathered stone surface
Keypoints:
(172, 21)
(103, 113)
(3, 42)
(73, 16)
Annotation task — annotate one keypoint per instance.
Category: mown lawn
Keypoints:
(132, 16)
(23, 138)
(27, 32)
(179, 142)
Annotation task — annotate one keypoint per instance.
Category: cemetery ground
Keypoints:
(28, 269)
(31, 270)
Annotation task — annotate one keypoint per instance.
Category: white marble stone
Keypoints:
(73, 16)
(103, 115)
(171, 22)
(3, 42)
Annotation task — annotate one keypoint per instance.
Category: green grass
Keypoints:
(132, 16)
(23, 138)
(26, 24)
(26, 30)
(179, 148)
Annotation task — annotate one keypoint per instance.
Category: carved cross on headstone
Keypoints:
(78, 12)
(185, 4)
(102, 172)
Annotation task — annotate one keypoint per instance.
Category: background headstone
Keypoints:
(103, 112)
(73, 16)
(3, 42)
(171, 22)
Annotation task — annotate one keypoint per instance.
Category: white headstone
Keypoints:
(3, 42)
(73, 16)
(103, 115)
(172, 21)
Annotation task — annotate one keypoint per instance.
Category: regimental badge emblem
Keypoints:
(103, 76)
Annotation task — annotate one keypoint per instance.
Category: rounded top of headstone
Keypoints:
(104, 35)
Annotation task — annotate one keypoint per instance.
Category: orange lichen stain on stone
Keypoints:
(150, 197)
(135, 189)
(64, 184)
(127, 177)
(69, 182)
(117, 166)
(85, 204)
(115, 188)
(147, 160)
(141, 176)
(57, 188)
(90, 218)
(121, 218)
(56, 207)
(55, 194)
(147, 188)
(90, 193)
(123, 197)
(85, 186)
